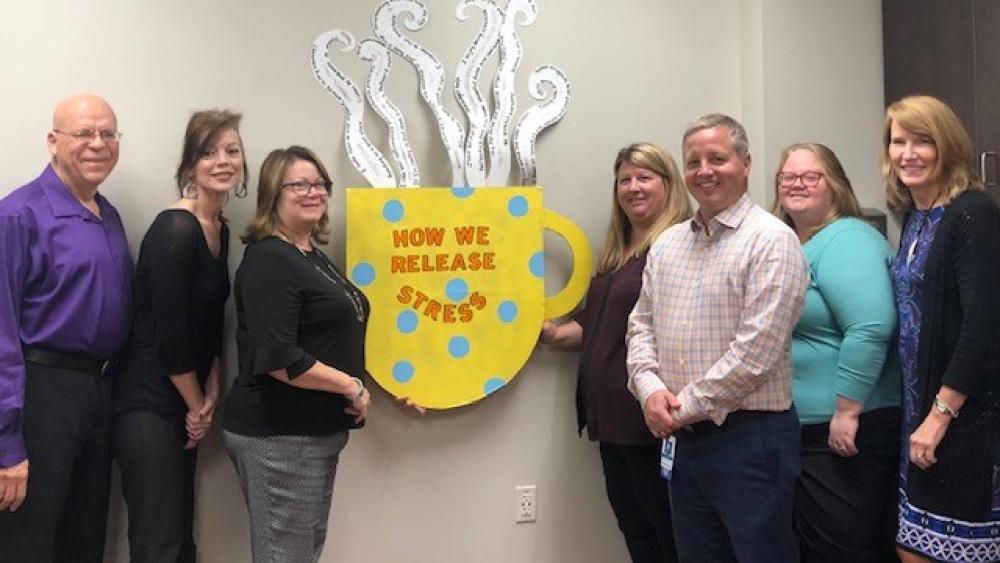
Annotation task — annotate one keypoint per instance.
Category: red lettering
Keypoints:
(448, 314)
(464, 234)
(482, 235)
(432, 310)
(420, 300)
(405, 294)
(464, 312)
(398, 265)
(399, 238)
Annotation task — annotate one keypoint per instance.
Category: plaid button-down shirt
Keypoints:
(713, 323)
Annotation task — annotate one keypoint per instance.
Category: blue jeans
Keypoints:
(733, 489)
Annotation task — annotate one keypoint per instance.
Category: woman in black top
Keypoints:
(167, 390)
(301, 339)
(945, 278)
(647, 197)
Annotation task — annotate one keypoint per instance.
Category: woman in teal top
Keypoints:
(846, 383)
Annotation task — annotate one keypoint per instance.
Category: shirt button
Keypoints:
(680, 361)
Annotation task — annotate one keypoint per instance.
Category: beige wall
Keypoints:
(440, 489)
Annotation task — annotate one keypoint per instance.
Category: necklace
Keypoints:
(925, 220)
(337, 280)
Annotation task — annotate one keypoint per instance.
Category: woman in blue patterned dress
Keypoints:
(945, 277)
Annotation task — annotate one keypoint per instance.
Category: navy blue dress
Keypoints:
(938, 537)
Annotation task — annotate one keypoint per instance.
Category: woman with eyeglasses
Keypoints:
(167, 389)
(845, 380)
(945, 277)
(301, 340)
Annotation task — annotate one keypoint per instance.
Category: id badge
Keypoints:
(667, 452)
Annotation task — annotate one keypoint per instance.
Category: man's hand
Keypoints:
(13, 486)
(657, 412)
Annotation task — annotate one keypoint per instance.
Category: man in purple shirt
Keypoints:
(65, 292)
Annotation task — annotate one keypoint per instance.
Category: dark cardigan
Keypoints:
(959, 347)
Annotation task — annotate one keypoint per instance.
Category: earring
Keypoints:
(241, 190)
(189, 191)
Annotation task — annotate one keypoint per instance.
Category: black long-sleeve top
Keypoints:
(293, 309)
(959, 346)
(179, 294)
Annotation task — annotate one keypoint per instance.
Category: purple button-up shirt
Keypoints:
(65, 285)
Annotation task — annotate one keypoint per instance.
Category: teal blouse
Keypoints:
(842, 343)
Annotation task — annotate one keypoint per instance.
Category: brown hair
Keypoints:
(272, 175)
(844, 202)
(204, 129)
(926, 115)
(677, 207)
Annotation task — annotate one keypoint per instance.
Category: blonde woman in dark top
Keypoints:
(647, 196)
(301, 339)
(167, 390)
(945, 277)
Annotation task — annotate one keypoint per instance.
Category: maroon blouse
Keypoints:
(612, 413)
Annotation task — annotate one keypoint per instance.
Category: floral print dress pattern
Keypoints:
(937, 537)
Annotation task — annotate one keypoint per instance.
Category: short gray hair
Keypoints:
(736, 131)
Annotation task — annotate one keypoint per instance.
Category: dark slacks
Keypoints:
(66, 433)
(158, 485)
(641, 501)
(845, 508)
(733, 489)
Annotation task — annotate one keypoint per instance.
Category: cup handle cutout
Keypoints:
(570, 296)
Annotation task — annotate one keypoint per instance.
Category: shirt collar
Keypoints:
(62, 200)
(731, 216)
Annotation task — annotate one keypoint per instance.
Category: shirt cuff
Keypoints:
(692, 411)
(647, 383)
(855, 390)
(12, 451)
(301, 366)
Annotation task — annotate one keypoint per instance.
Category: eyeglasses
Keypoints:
(302, 187)
(809, 179)
(89, 135)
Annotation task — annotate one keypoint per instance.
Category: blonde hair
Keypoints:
(272, 175)
(677, 206)
(926, 115)
(844, 203)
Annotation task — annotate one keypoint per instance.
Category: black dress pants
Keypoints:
(66, 433)
(845, 507)
(158, 485)
(640, 498)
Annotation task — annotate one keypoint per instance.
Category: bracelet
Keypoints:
(943, 407)
(361, 389)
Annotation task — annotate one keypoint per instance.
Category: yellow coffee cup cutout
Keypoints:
(455, 277)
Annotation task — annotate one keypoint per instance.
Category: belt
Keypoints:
(733, 419)
(73, 362)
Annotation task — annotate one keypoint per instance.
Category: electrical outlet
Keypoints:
(525, 503)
